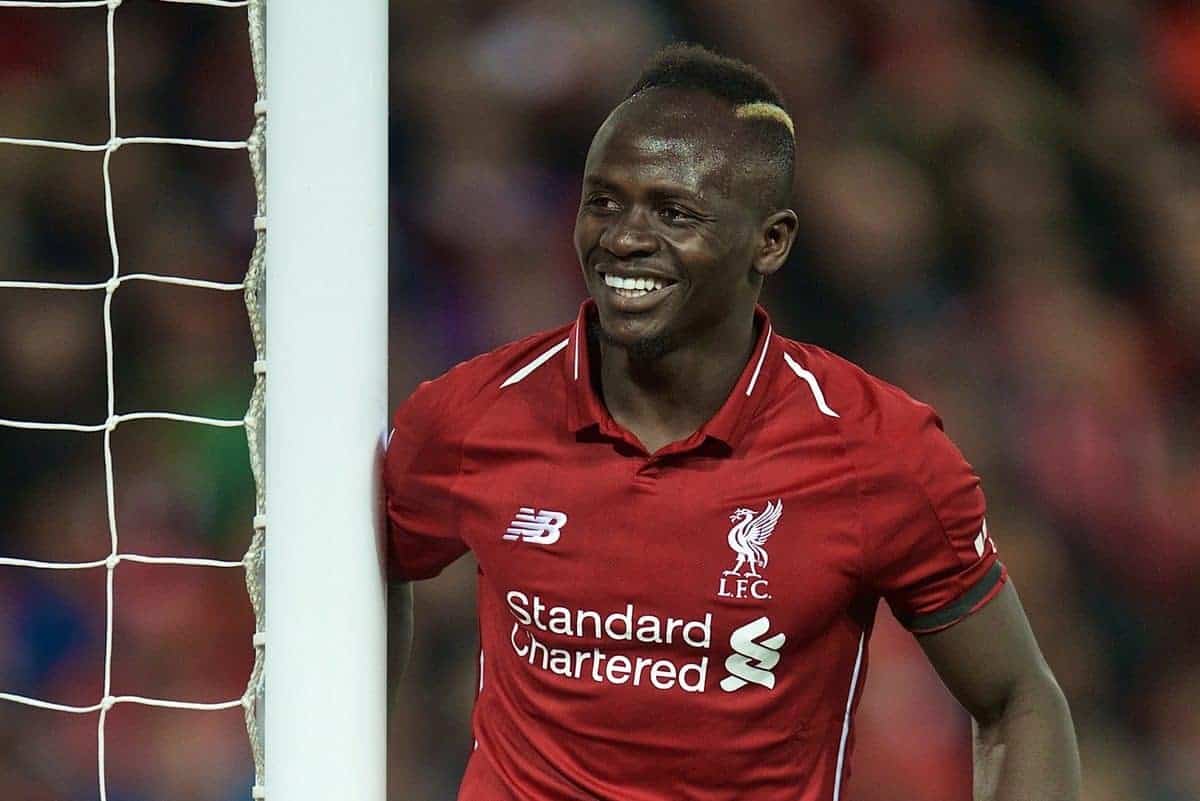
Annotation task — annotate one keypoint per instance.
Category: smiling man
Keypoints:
(684, 521)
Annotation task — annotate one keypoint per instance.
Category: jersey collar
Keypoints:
(586, 410)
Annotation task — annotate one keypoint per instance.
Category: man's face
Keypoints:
(665, 240)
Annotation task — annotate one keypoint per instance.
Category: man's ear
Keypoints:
(775, 241)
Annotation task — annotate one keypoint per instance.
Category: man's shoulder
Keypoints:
(869, 410)
(473, 385)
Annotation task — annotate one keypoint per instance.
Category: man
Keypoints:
(683, 521)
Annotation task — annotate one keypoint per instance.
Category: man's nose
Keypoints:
(628, 237)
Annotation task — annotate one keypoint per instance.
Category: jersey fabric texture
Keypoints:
(693, 623)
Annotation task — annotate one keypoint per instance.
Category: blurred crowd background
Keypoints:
(1000, 212)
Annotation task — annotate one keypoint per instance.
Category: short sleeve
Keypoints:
(419, 473)
(929, 552)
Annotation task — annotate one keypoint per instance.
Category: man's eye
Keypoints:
(673, 214)
(603, 202)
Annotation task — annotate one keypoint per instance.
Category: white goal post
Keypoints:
(318, 316)
(326, 319)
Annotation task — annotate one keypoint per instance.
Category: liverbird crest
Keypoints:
(748, 537)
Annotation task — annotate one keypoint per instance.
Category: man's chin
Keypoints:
(641, 347)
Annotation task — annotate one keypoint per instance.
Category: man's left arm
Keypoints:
(1025, 747)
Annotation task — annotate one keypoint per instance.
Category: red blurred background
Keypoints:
(1000, 212)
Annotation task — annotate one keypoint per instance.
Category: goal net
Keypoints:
(328, 322)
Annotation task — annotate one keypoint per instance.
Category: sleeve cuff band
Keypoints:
(960, 608)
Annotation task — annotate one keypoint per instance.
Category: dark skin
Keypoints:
(672, 192)
(665, 194)
(1025, 745)
(667, 191)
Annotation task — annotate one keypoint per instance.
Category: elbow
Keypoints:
(1048, 698)
(1036, 694)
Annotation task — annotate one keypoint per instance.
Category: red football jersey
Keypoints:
(691, 624)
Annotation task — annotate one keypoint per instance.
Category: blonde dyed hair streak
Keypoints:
(765, 111)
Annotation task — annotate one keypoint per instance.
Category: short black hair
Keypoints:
(694, 67)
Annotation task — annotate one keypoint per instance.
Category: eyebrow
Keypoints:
(598, 182)
(658, 192)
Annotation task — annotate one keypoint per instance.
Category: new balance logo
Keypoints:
(752, 662)
(542, 527)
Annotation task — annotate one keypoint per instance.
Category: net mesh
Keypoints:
(253, 288)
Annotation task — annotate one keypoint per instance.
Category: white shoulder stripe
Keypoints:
(521, 374)
(811, 380)
(475, 742)
(758, 367)
(576, 351)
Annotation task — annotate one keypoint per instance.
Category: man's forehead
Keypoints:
(655, 152)
(670, 140)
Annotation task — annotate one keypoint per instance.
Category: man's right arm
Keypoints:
(399, 634)
(420, 468)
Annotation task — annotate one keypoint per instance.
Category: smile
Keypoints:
(635, 287)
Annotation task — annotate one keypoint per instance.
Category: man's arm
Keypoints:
(399, 634)
(1025, 746)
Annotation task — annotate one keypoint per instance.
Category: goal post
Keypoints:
(326, 367)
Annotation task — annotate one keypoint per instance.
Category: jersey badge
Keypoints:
(748, 540)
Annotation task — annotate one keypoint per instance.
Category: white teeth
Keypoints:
(640, 286)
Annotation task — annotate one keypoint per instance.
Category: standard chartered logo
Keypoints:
(752, 662)
(535, 619)
(587, 644)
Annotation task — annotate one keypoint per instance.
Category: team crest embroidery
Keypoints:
(748, 541)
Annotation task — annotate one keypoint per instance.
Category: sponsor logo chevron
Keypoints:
(752, 661)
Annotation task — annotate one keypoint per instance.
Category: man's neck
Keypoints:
(667, 399)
